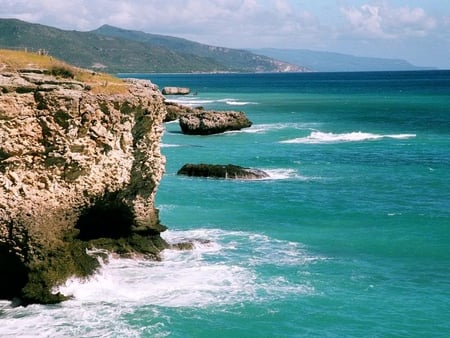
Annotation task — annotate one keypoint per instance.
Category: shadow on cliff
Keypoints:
(107, 218)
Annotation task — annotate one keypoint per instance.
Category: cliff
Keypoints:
(80, 164)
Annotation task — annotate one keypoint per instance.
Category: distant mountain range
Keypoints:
(336, 62)
(116, 50)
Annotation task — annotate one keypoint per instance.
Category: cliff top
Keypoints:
(21, 61)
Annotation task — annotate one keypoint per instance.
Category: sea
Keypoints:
(348, 237)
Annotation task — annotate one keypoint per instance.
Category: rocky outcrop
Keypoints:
(175, 91)
(228, 171)
(213, 122)
(174, 111)
(79, 169)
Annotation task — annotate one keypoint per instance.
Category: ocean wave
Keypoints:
(284, 174)
(267, 127)
(193, 101)
(232, 102)
(169, 145)
(321, 137)
(219, 270)
(222, 269)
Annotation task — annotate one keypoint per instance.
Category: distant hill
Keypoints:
(336, 62)
(117, 50)
(232, 59)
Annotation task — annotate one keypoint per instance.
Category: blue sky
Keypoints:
(415, 30)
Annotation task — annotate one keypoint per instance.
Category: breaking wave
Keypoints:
(320, 137)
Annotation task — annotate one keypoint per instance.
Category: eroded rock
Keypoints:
(213, 122)
(78, 169)
(175, 111)
(176, 91)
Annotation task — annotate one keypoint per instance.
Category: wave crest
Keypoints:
(321, 137)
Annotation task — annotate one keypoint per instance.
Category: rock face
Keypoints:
(228, 171)
(175, 91)
(213, 122)
(79, 170)
(175, 111)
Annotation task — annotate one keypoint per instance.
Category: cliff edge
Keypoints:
(80, 164)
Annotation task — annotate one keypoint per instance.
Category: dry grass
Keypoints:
(98, 82)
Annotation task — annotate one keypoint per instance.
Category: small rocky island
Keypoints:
(80, 164)
(213, 122)
(228, 171)
(196, 121)
(176, 91)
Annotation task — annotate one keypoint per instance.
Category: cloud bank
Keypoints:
(327, 25)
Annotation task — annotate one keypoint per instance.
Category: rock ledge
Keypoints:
(79, 169)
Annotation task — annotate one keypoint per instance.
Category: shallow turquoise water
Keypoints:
(349, 237)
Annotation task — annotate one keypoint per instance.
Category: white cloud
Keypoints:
(410, 21)
(386, 22)
(366, 21)
(224, 22)
(350, 26)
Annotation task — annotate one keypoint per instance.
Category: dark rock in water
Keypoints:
(182, 246)
(228, 171)
(175, 91)
(213, 122)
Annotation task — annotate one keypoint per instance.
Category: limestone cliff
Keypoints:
(80, 164)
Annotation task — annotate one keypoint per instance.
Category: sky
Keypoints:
(415, 30)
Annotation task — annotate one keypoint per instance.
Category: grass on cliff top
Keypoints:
(11, 61)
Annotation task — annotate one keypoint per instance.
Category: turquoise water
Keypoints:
(349, 236)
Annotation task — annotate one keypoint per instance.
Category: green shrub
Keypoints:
(62, 72)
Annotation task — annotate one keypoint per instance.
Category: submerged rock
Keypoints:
(79, 168)
(213, 122)
(228, 171)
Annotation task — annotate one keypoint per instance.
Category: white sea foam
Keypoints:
(267, 127)
(287, 173)
(320, 137)
(219, 270)
(222, 269)
(172, 122)
(238, 103)
(168, 145)
(281, 173)
(191, 101)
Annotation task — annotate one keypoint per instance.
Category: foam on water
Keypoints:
(321, 137)
(168, 145)
(222, 269)
(233, 102)
(264, 128)
(190, 101)
(193, 101)
(208, 275)
(284, 174)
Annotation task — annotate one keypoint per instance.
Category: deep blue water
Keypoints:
(349, 237)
